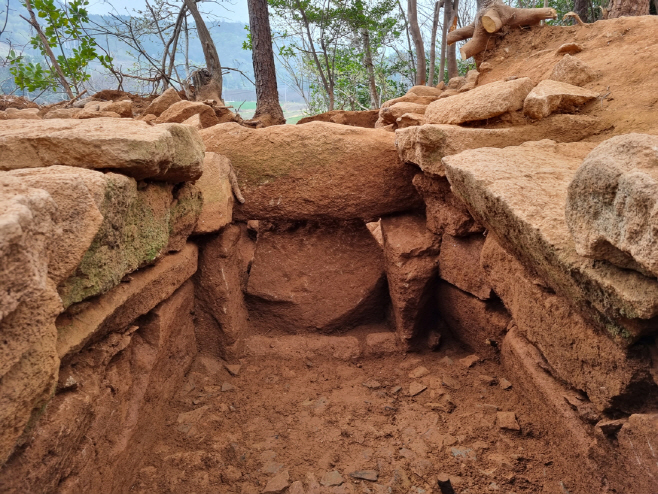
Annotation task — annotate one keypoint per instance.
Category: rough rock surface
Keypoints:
(365, 119)
(612, 203)
(116, 309)
(424, 91)
(303, 346)
(571, 70)
(173, 153)
(483, 102)
(95, 433)
(217, 209)
(479, 324)
(410, 120)
(577, 352)
(637, 443)
(24, 114)
(459, 264)
(183, 215)
(181, 111)
(427, 144)
(221, 312)
(536, 233)
(162, 102)
(134, 232)
(315, 171)
(316, 278)
(409, 98)
(411, 253)
(62, 113)
(551, 96)
(390, 114)
(445, 213)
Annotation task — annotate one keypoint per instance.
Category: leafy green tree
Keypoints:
(64, 32)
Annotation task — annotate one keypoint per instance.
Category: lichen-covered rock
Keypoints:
(612, 203)
(425, 145)
(550, 96)
(171, 152)
(316, 279)
(571, 70)
(184, 214)
(134, 232)
(314, 171)
(411, 253)
(216, 193)
(483, 102)
(524, 206)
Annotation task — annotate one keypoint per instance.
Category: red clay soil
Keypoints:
(311, 417)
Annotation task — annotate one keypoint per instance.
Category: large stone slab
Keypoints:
(314, 171)
(316, 279)
(577, 352)
(427, 144)
(487, 101)
(612, 203)
(171, 152)
(478, 323)
(411, 252)
(215, 186)
(116, 309)
(550, 96)
(97, 429)
(520, 193)
(459, 264)
(221, 311)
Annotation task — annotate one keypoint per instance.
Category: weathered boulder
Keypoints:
(116, 309)
(183, 215)
(28, 307)
(124, 108)
(410, 120)
(426, 145)
(612, 203)
(409, 98)
(220, 309)
(162, 102)
(571, 70)
(390, 114)
(459, 264)
(194, 121)
(550, 96)
(445, 213)
(22, 114)
(314, 171)
(535, 231)
(181, 111)
(424, 91)
(578, 353)
(87, 113)
(479, 324)
(172, 152)
(365, 119)
(62, 113)
(316, 279)
(217, 196)
(134, 232)
(411, 253)
(483, 102)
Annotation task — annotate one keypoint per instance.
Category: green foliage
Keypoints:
(564, 6)
(63, 26)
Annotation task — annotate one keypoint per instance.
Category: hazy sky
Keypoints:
(230, 10)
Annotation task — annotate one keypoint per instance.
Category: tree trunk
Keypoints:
(581, 7)
(208, 82)
(453, 70)
(46, 46)
(447, 16)
(374, 98)
(435, 26)
(412, 65)
(268, 108)
(619, 8)
(412, 14)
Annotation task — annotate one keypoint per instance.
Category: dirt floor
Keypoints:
(318, 420)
